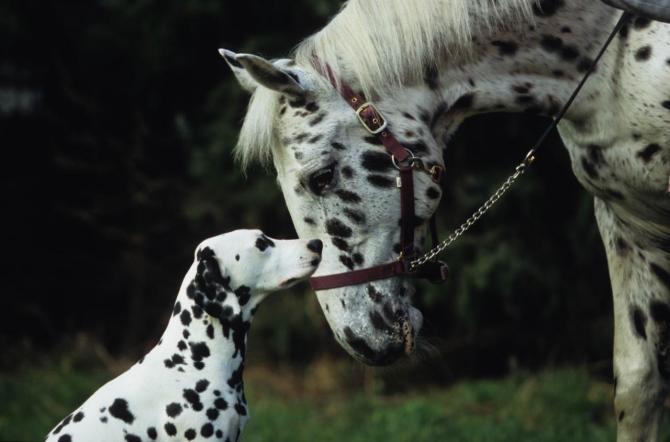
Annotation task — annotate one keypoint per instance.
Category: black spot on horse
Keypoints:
(589, 168)
(374, 140)
(119, 409)
(335, 227)
(660, 313)
(354, 215)
(621, 246)
(340, 244)
(372, 357)
(639, 321)
(662, 274)
(380, 181)
(643, 54)
(584, 65)
(547, 8)
(641, 23)
(431, 77)
(374, 294)
(648, 152)
(347, 172)
(433, 193)
(338, 146)
(551, 44)
(666, 104)
(506, 48)
(348, 263)
(347, 196)
(376, 161)
(465, 102)
(309, 221)
(569, 53)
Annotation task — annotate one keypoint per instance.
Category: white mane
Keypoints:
(383, 44)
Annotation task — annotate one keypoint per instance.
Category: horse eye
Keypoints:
(321, 180)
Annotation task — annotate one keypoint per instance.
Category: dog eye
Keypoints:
(322, 179)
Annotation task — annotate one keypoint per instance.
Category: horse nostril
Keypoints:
(315, 246)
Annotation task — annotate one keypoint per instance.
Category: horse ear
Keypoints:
(252, 71)
(246, 81)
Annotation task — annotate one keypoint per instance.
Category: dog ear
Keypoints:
(253, 71)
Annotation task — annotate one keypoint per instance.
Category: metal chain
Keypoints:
(435, 251)
(521, 168)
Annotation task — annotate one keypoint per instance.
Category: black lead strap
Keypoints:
(625, 17)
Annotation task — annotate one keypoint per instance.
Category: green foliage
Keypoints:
(557, 405)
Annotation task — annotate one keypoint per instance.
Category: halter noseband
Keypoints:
(405, 161)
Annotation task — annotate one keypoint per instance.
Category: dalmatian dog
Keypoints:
(189, 387)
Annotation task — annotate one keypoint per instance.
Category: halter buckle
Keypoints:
(371, 119)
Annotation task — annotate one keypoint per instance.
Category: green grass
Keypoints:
(559, 405)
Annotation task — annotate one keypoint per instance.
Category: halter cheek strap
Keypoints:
(403, 159)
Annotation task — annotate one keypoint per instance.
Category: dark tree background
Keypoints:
(117, 123)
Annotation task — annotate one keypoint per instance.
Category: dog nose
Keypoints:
(315, 246)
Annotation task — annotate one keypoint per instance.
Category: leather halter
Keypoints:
(405, 161)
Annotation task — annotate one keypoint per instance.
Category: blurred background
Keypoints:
(117, 123)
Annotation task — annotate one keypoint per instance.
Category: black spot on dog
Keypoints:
(506, 47)
(185, 317)
(639, 321)
(263, 242)
(348, 196)
(380, 181)
(170, 429)
(78, 417)
(176, 309)
(132, 438)
(662, 274)
(240, 409)
(621, 416)
(207, 430)
(173, 409)
(65, 438)
(212, 414)
(220, 403)
(335, 227)
(64, 423)
(119, 409)
(190, 434)
(152, 433)
(201, 385)
(377, 161)
(648, 152)
(199, 350)
(643, 54)
(547, 8)
(193, 399)
(243, 294)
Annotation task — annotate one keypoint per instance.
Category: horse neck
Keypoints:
(533, 68)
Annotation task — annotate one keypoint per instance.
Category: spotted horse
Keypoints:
(427, 65)
(190, 386)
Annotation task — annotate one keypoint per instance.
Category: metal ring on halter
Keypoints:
(409, 160)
